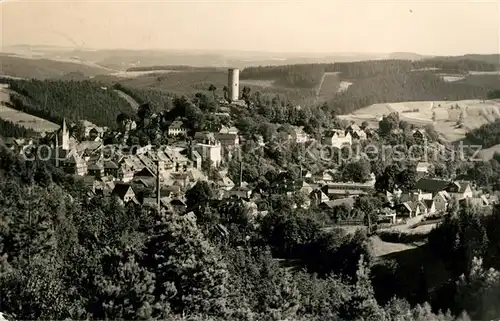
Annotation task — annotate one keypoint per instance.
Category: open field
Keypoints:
(420, 113)
(381, 248)
(329, 85)
(344, 85)
(484, 72)
(133, 74)
(349, 229)
(452, 78)
(259, 83)
(488, 153)
(20, 118)
(72, 60)
(130, 100)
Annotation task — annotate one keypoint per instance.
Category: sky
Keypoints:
(436, 27)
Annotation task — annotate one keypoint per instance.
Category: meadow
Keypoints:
(420, 113)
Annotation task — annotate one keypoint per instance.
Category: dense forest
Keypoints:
(9, 129)
(300, 76)
(73, 100)
(416, 86)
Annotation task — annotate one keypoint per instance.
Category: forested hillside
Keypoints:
(159, 100)
(297, 76)
(74, 100)
(309, 75)
(416, 86)
(9, 129)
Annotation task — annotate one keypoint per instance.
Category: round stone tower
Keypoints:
(233, 84)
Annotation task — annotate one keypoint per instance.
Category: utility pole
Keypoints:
(158, 186)
(369, 223)
(241, 173)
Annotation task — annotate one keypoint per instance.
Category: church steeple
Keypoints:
(64, 139)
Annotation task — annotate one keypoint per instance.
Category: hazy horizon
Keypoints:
(315, 27)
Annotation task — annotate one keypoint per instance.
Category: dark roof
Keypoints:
(145, 172)
(110, 165)
(463, 185)
(225, 136)
(177, 202)
(432, 185)
(121, 189)
(95, 167)
(348, 202)
(176, 125)
(428, 203)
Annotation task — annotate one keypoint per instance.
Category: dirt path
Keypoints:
(318, 89)
(130, 100)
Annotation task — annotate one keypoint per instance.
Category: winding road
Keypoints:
(130, 100)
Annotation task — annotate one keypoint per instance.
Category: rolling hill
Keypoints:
(25, 67)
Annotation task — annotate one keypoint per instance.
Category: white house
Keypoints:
(337, 138)
(209, 148)
(176, 128)
(299, 135)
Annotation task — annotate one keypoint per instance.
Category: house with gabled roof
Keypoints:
(125, 174)
(359, 135)
(228, 130)
(317, 197)
(96, 169)
(337, 138)
(430, 206)
(110, 168)
(419, 135)
(124, 192)
(306, 188)
(441, 200)
(74, 164)
(480, 202)
(461, 190)
(299, 135)
(239, 191)
(411, 209)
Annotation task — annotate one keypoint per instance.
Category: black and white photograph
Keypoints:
(250, 160)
